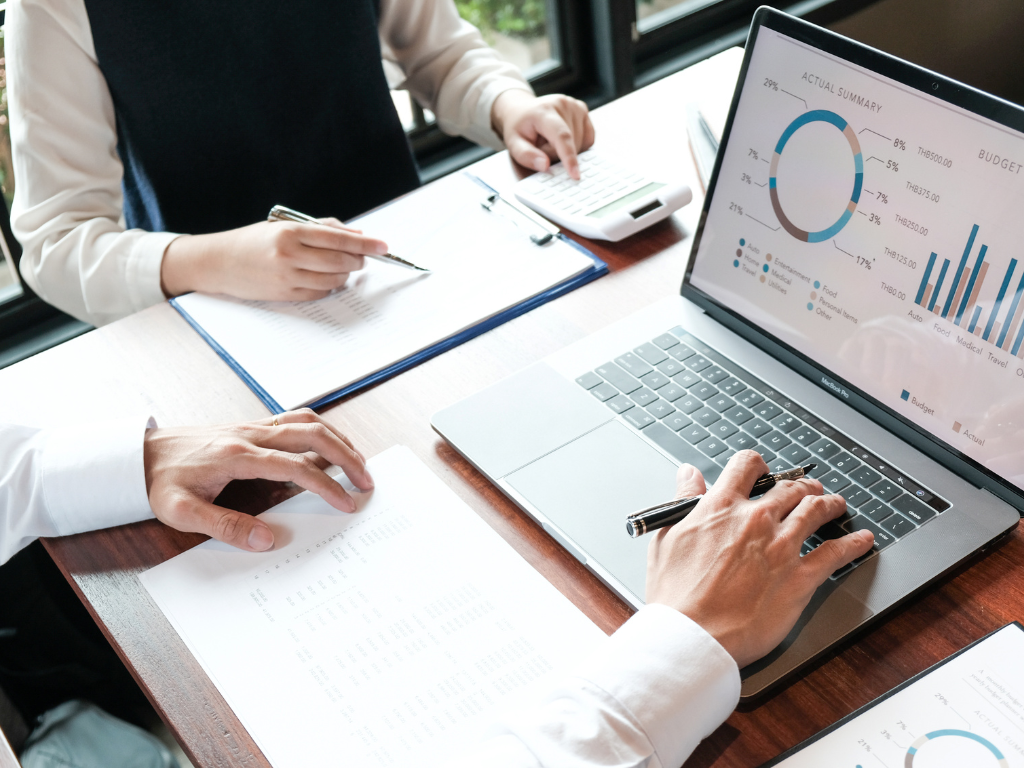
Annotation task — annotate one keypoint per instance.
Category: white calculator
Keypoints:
(609, 202)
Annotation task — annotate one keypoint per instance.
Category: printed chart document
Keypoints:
(966, 713)
(392, 636)
(483, 263)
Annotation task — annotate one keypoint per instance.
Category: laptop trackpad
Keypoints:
(587, 488)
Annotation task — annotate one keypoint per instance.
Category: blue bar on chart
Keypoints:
(971, 295)
(1017, 350)
(960, 271)
(938, 285)
(974, 320)
(992, 324)
(1012, 318)
(924, 279)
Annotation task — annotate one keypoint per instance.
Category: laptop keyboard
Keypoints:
(702, 408)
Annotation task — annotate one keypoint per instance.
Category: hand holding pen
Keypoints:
(670, 512)
(734, 565)
(280, 213)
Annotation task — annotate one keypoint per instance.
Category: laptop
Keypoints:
(853, 298)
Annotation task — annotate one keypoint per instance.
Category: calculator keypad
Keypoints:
(601, 182)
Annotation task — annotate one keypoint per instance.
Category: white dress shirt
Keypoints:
(646, 698)
(57, 482)
(68, 208)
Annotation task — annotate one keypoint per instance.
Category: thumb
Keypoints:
(835, 553)
(234, 528)
(689, 482)
(525, 153)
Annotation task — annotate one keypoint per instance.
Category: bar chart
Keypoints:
(963, 306)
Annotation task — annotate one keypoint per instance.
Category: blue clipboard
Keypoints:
(599, 269)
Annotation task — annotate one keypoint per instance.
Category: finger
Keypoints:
(835, 553)
(309, 416)
(589, 134)
(234, 528)
(318, 437)
(526, 154)
(559, 135)
(290, 467)
(317, 281)
(741, 473)
(785, 496)
(324, 260)
(813, 512)
(330, 221)
(335, 239)
(689, 482)
(304, 294)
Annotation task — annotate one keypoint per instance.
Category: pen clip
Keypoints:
(490, 203)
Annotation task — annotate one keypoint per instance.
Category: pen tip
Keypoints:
(809, 467)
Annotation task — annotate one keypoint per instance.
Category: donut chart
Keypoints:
(1000, 759)
(815, 116)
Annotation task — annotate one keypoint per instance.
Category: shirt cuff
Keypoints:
(673, 678)
(142, 270)
(482, 131)
(93, 476)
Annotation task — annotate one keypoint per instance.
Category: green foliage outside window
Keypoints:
(6, 164)
(512, 18)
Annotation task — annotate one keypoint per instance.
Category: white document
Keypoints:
(968, 713)
(388, 637)
(483, 263)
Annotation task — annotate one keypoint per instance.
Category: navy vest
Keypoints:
(226, 108)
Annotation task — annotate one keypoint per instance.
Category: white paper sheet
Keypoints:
(391, 636)
(482, 262)
(969, 713)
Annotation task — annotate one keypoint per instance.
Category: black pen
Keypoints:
(671, 512)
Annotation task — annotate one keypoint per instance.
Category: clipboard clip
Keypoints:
(490, 203)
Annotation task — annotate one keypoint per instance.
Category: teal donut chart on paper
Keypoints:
(1001, 760)
(817, 116)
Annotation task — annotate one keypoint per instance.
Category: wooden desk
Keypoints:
(154, 363)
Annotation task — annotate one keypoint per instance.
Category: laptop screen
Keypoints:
(876, 230)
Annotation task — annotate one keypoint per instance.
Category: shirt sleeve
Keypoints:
(68, 205)
(646, 698)
(448, 67)
(57, 482)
